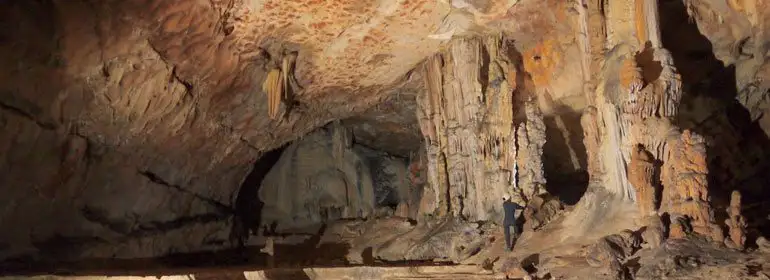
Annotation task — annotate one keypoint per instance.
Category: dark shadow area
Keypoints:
(530, 263)
(651, 68)
(657, 183)
(565, 180)
(738, 151)
(368, 256)
(248, 207)
(286, 257)
(288, 274)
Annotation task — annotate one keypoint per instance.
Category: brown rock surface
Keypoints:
(130, 129)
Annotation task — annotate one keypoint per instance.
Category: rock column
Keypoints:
(466, 117)
(736, 223)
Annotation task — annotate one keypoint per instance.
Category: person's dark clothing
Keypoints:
(509, 207)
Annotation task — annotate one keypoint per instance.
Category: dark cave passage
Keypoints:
(248, 206)
(564, 156)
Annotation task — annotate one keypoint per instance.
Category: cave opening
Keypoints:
(564, 156)
(248, 206)
(738, 149)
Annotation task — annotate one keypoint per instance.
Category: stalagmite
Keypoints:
(685, 182)
(530, 140)
(736, 222)
(629, 126)
(641, 173)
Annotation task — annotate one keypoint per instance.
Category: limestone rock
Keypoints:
(530, 138)
(611, 248)
(736, 222)
(313, 182)
(685, 186)
(653, 234)
(540, 210)
(468, 129)
(763, 245)
(610, 252)
(641, 174)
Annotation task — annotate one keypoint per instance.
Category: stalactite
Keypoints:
(273, 87)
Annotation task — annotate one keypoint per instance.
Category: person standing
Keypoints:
(509, 208)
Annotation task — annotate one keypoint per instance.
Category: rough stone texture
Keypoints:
(540, 210)
(641, 174)
(134, 122)
(530, 138)
(390, 126)
(610, 253)
(467, 121)
(653, 233)
(685, 193)
(736, 223)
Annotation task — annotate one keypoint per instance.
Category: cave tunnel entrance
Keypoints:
(248, 206)
(564, 156)
(738, 150)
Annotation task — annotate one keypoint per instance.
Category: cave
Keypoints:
(265, 139)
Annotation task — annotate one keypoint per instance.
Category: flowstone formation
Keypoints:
(475, 151)
(630, 126)
(324, 178)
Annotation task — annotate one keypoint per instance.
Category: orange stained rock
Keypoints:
(686, 185)
(630, 74)
(542, 60)
(641, 21)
